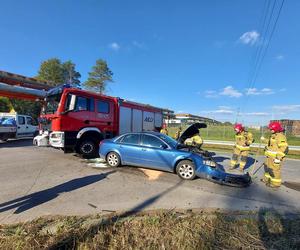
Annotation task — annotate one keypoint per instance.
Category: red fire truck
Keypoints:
(77, 120)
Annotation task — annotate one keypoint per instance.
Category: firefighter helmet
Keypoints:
(275, 126)
(238, 127)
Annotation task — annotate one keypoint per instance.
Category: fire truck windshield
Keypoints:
(52, 104)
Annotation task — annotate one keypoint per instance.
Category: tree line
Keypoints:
(56, 72)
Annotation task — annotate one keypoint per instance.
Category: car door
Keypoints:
(81, 116)
(31, 128)
(129, 148)
(21, 126)
(156, 154)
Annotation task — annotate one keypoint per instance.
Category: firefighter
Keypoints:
(195, 141)
(178, 133)
(275, 151)
(164, 129)
(243, 140)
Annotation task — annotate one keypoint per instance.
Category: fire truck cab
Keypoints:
(77, 120)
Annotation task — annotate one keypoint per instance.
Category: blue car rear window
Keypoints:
(131, 139)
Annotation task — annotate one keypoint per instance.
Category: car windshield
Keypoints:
(170, 141)
(52, 104)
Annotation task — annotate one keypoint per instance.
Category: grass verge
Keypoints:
(293, 154)
(265, 229)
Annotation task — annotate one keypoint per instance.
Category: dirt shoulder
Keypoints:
(166, 229)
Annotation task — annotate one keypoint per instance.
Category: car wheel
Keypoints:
(186, 170)
(113, 159)
(88, 148)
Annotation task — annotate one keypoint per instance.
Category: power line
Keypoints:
(262, 50)
(271, 36)
(256, 54)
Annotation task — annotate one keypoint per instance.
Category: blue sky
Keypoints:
(189, 56)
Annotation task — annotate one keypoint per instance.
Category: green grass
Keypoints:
(265, 229)
(229, 149)
(226, 133)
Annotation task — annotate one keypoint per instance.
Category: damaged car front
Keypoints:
(210, 169)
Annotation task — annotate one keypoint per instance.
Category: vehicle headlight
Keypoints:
(209, 163)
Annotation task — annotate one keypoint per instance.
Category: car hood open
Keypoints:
(191, 130)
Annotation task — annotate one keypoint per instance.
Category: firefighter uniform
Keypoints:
(164, 131)
(275, 152)
(178, 133)
(195, 141)
(241, 149)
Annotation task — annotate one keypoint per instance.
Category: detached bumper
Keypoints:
(219, 176)
(57, 139)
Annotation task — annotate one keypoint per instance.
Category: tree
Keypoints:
(27, 107)
(99, 77)
(56, 72)
(51, 70)
(5, 105)
(71, 76)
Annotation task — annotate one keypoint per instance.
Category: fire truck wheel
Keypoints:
(88, 148)
(113, 159)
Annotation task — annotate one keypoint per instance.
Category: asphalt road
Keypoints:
(45, 181)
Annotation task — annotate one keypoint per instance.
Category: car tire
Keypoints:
(186, 170)
(113, 159)
(88, 148)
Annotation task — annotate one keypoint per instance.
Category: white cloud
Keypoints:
(114, 46)
(257, 114)
(284, 109)
(231, 92)
(221, 110)
(279, 57)
(225, 107)
(250, 37)
(210, 93)
(263, 91)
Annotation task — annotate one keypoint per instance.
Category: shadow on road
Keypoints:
(35, 199)
(27, 142)
(292, 185)
(67, 243)
(146, 203)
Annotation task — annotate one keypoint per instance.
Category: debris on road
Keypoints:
(97, 163)
(151, 174)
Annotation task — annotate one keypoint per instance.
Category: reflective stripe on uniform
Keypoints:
(267, 175)
(242, 148)
(281, 153)
(275, 180)
(271, 153)
(282, 144)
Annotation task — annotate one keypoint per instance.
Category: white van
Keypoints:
(15, 126)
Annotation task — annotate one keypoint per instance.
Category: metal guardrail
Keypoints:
(254, 145)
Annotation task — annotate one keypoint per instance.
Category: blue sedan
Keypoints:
(158, 151)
